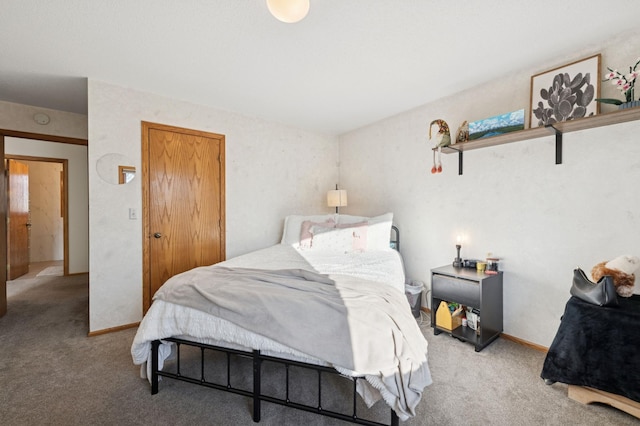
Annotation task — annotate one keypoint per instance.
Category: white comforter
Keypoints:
(379, 267)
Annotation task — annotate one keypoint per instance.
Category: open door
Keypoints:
(3, 232)
(18, 223)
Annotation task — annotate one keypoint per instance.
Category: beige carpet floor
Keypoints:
(51, 373)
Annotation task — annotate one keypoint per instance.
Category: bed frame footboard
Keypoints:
(256, 393)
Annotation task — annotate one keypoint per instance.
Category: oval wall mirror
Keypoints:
(116, 169)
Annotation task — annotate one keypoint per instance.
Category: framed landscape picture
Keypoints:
(498, 125)
(565, 93)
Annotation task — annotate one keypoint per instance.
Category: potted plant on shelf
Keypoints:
(626, 84)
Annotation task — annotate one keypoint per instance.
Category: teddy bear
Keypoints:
(622, 270)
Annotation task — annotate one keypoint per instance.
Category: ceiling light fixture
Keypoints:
(289, 11)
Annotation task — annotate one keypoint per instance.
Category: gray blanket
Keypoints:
(359, 325)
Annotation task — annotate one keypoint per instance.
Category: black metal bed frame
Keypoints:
(256, 393)
(258, 358)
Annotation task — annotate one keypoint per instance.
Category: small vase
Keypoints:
(631, 104)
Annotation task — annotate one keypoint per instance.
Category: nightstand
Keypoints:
(469, 288)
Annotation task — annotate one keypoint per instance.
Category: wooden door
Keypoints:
(3, 231)
(18, 224)
(183, 206)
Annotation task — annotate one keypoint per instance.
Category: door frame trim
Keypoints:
(3, 195)
(65, 194)
(146, 202)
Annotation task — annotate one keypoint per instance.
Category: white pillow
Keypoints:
(307, 230)
(345, 218)
(293, 224)
(379, 232)
(340, 240)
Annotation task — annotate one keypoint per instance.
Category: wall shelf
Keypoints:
(600, 120)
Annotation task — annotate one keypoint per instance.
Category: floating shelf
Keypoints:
(599, 120)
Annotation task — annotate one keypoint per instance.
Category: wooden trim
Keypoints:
(3, 232)
(43, 137)
(65, 217)
(168, 128)
(64, 201)
(587, 395)
(63, 198)
(113, 329)
(525, 343)
(223, 198)
(517, 340)
(146, 251)
(34, 158)
(122, 173)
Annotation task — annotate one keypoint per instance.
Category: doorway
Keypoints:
(37, 211)
(183, 202)
(35, 145)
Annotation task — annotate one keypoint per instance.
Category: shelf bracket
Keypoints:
(459, 159)
(558, 143)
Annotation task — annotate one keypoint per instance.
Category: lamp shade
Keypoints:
(289, 11)
(337, 198)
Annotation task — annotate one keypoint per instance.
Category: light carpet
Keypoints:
(51, 373)
(50, 271)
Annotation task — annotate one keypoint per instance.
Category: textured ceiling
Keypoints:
(347, 64)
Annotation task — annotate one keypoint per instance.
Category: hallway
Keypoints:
(38, 273)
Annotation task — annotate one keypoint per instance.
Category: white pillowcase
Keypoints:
(293, 225)
(379, 235)
(378, 232)
(308, 229)
(336, 240)
(345, 218)
(341, 239)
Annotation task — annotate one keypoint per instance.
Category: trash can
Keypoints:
(413, 291)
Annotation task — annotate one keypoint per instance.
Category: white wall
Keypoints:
(19, 117)
(512, 200)
(271, 171)
(541, 219)
(46, 237)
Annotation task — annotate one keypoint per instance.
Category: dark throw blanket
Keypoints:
(598, 347)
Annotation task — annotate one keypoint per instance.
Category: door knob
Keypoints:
(157, 235)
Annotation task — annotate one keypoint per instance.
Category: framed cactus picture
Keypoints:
(565, 93)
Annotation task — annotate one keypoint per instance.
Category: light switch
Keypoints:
(132, 214)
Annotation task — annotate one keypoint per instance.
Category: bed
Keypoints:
(594, 352)
(329, 297)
